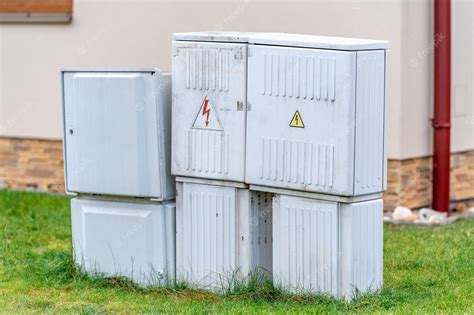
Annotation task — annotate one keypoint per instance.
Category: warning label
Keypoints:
(207, 117)
(296, 121)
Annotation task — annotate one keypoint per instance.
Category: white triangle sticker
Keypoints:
(207, 117)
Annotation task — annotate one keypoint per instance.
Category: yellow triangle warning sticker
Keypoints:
(296, 121)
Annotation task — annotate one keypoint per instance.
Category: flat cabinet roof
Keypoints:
(281, 39)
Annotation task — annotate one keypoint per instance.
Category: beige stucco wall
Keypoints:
(417, 77)
(137, 33)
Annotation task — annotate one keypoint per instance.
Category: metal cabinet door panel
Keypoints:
(111, 133)
(301, 119)
(209, 110)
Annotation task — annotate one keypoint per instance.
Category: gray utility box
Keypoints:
(135, 239)
(223, 232)
(326, 246)
(117, 132)
(316, 114)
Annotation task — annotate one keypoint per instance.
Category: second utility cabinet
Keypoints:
(316, 114)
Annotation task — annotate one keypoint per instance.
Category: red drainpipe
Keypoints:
(442, 104)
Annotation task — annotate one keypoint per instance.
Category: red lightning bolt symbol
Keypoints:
(206, 111)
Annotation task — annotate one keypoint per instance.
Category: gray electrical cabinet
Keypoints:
(316, 137)
(316, 114)
(117, 138)
(301, 119)
(117, 132)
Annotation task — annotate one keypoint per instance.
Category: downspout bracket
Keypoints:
(440, 125)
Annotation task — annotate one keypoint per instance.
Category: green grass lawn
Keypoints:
(425, 270)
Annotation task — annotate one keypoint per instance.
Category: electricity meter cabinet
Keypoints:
(117, 163)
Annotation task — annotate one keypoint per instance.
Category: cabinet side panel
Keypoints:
(385, 129)
(164, 96)
(361, 247)
(370, 116)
